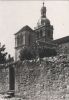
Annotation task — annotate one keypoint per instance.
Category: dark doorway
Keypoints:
(11, 78)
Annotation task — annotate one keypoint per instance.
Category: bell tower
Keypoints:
(44, 29)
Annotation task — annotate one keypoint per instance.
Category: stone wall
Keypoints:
(47, 79)
(4, 79)
(63, 48)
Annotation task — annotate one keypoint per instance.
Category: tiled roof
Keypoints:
(61, 40)
(25, 28)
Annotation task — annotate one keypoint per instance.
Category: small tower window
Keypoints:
(23, 39)
(29, 39)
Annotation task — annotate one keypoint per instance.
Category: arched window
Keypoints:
(29, 39)
(23, 39)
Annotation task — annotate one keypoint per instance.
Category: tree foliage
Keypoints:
(46, 52)
(2, 54)
(27, 53)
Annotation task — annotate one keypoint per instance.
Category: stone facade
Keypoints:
(7, 78)
(44, 33)
(62, 45)
(63, 48)
(35, 79)
(4, 80)
(24, 37)
(45, 80)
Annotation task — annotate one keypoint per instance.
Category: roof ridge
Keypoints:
(26, 27)
(61, 40)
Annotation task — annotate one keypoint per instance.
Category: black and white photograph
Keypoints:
(34, 50)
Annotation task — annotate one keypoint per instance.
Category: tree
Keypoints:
(27, 53)
(2, 54)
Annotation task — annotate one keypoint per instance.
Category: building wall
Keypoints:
(19, 43)
(28, 40)
(63, 48)
(4, 80)
(20, 39)
(17, 53)
(45, 80)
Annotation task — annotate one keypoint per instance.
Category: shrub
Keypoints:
(27, 53)
(3, 55)
(46, 52)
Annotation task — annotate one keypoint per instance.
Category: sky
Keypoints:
(16, 14)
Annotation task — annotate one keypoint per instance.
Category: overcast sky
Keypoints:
(16, 14)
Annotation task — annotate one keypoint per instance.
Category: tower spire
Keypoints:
(43, 4)
(43, 11)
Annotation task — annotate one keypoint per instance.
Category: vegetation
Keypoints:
(46, 52)
(2, 55)
(27, 53)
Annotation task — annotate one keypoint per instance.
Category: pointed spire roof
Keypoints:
(43, 4)
(43, 11)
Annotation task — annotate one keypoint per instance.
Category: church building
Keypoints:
(42, 35)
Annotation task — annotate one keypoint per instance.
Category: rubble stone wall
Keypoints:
(63, 48)
(4, 80)
(47, 79)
